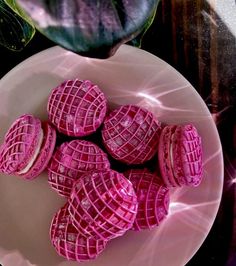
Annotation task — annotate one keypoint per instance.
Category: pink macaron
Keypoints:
(180, 156)
(27, 148)
(69, 243)
(71, 160)
(153, 198)
(131, 134)
(103, 204)
(77, 108)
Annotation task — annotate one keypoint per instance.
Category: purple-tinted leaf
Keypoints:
(94, 28)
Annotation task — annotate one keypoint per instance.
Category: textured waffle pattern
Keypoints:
(131, 134)
(45, 153)
(103, 204)
(77, 108)
(153, 198)
(190, 152)
(20, 143)
(69, 243)
(180, 156)
(71, 160)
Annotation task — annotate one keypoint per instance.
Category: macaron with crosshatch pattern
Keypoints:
(27, 148)
(71, 160)
(103, 204)
(153, 198)
(77, 108)
(180, 156)
(131, 134)
(69, 243)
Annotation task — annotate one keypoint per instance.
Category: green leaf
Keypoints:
(15, 7)
(15, 32)
(94, 28)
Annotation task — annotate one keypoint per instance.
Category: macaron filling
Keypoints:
(171, 152)
(35, 155)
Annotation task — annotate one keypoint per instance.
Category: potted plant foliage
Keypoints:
(87, 27)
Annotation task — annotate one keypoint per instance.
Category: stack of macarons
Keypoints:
(102, 203)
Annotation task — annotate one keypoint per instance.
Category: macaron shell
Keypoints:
(131, 134)
(188, 163)
(153, 198)
(71, 160)
(67, 241)
(180, 156)
(2, 148)
(103, 204)
(20, 144)
(77, 108)
(164, 157)
(45, 154)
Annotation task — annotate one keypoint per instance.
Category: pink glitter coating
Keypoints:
(67, 241)
(153, 198)
(131, 134)
(20, 143)
(77, 108)
(103, 204)
(180, 156)
(71, 160)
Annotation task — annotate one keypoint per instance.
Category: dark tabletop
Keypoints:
(197, 39)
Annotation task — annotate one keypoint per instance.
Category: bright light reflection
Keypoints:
(233, 181)
(212, 157)
(231, 172)
(153, 101)
(149, 97)
(176, 206)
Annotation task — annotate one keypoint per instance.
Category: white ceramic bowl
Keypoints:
(131, 76)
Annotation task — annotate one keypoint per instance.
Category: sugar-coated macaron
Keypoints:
(103, 204)
(131, 134)
(180, 156)
(69, 243)
(27, 148)
(71, 160)
(153, 198)
(77, 108)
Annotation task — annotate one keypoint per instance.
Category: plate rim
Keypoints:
(216, 132)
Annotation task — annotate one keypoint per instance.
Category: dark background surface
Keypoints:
(205, 53)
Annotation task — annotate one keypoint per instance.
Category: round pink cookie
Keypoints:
(20, 143)
(67, 241)
(45, 153)
(180, 156)
(71, 160)
(103, 204)
(131, 134)
(27, 148)
(77, 108)
(153, 198)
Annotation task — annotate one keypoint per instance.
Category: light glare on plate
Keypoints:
(149, 97)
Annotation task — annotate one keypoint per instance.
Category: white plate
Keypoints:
(131, 76)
